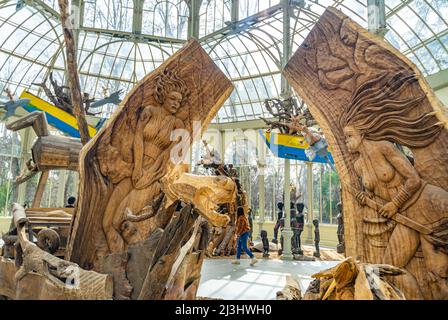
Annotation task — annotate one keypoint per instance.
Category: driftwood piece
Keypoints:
(141, 256)
(122, 166)
(72, 72)
(40, 188)
(291, 291)
(56, 152)
(49, 152)
(43, 276)
(205, 192)
(371, 102)
(229, 234)
(351, 280)
(36, 119)
(114, 264)
(167, 251)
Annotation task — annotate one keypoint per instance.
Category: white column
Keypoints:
(27, 138)
(262, 198)
(286, 92)
(61, 188)
(376, 17)
(193, 21)
(235, 11)
(310, 200)
(287, 231)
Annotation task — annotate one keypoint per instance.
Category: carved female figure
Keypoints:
(151, 147)
(372, 123)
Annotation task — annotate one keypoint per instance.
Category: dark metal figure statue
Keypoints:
(340, 219)
(300, 218)
(316, 237)
(279, 223)
(265, 241)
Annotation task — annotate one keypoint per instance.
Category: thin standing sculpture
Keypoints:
(265, 242)
(316, 238)
(301, 223)
(340, 232)
(369, 99)
(279, 223)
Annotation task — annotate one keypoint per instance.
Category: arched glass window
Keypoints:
(109, 14)
(166, 18)
(213, 15)
(9, 168)
(248, 8)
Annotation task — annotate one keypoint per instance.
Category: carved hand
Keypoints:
(361, 197)
(389, 210)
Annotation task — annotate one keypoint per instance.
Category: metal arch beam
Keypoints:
(132, 37)
(424, 43)
(106, 44)
(40, 5)
(398, 8)
(245, 125)
(243, 24)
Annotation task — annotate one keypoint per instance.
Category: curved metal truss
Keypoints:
(120, 41)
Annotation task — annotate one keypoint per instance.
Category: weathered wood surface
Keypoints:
(40, 188)
(36, 119)
(291, 291)
(38, 275)
(56, 152)
(72, 71)
(49, 152)
(351, 280)
(121, 170)
(366, 96)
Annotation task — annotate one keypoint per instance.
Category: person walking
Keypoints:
(243, 232)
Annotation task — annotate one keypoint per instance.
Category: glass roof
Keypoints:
(121, 41)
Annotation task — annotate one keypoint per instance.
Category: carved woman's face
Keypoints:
(353, 138)
(172, 102)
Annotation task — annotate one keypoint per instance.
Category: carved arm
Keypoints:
(139, 144)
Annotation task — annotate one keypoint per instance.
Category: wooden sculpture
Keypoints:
(205, 192)
(223, 238)
(291, 291)
(49, 152)
(122, 171)
(39, 275)
(351, 280)
(371, 102)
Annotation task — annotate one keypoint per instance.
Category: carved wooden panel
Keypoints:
(122, 166)
(371, 101)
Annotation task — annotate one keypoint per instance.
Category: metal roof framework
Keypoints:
(121, 41)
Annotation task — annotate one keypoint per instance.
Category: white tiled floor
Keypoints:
(221, 279)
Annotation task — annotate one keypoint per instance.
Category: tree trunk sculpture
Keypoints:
(72, 72)
(371, 101)
(121, 171)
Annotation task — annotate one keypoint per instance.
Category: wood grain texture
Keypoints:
(291, 291)
(366, 97)
(72, 72)
(110, 179)
(351, 280)
(38, 275)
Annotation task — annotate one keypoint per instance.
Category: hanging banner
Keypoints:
(290, 147)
